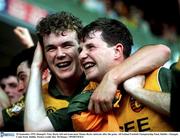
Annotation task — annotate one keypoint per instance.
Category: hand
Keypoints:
(133, 83)
(24, 36)
(102, 97)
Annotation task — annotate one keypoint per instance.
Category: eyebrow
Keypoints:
(64, 43)
(47, 46)
(68, 42)
(13, 84)
(89, 44)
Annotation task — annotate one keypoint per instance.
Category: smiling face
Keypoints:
(23, 75)
(9, 85)
(61, 53)
(96, 57)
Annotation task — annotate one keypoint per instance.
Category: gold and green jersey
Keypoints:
(130, 115)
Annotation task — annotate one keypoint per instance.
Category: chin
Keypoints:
(65, 75)
(90, 77)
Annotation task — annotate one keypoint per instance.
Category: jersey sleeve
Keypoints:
(175, 94)
(13, 123)
(79, 103)
(60, 120)
(169, 80)
(165, 79)
(13, 116)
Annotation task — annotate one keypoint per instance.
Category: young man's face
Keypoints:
(9, 85)
(61, 53)
(23, 74)
(96, 57)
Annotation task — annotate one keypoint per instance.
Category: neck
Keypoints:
(69, 86)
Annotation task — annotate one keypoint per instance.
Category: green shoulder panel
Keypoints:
(175, 94)
(176, 72)
(13, 123)
(79, 103)
(60, 120)
(165, 79)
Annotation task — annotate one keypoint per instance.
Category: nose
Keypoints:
(21, 86)
(60, 53)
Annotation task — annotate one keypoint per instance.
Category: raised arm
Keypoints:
(35, 117)
(143, 61)
(24, 36)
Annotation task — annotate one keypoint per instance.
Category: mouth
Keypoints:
(63, 64)
(88, 65)
(11, 97)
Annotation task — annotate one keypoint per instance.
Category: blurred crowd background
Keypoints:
(150, 21)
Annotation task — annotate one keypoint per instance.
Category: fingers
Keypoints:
(141, 77)
(90, 106)
(99, 107)
(94, 107)
(133, 83)
(24, 36)
(20, 31)
(106, 106)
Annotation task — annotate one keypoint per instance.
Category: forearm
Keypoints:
(34, 106)
(143, 61)
(158, 101)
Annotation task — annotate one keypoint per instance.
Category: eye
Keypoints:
(50, 48)
(13, 85)
(67, 45)
(22, 77)
(90, 47)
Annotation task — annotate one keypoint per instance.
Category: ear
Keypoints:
(118, 48)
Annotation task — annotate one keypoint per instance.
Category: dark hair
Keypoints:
(5, 72)
(56, 23)
(25, 55)
(113, 32)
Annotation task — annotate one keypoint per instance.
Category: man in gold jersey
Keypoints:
(105, 44)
